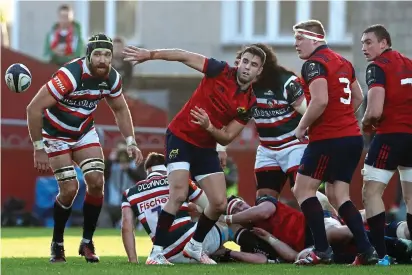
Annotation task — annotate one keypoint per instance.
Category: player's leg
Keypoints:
(178, 154)
(88, 154)
(208, 173)
(270, 179)
(289, 160)
(406, 181)
(65, 174)
(350, 152)
(379, 167)
(313, 169)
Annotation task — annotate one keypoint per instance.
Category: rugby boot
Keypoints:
(195, 251)
(57, 253)
(316, 257)
(87, 250)
(368, 258)
(385, 261)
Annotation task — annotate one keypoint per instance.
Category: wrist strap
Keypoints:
(38, 145)
(131, 141)
(220, 148)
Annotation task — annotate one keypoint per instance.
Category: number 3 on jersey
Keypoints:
(152, 216)
(346, 90)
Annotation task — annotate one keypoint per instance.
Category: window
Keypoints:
(271, 21)
(115, 18)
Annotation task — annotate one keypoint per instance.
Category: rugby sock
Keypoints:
(91, 210)
(353, 220)
(312, 209)
(409, 223)
(377, 229)
(203, 227)
(162, 229)
(60, 216)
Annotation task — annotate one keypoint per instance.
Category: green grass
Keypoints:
(26, 251)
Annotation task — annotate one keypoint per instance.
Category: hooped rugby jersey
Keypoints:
(77, 93)
(147, 199)
(275, 118)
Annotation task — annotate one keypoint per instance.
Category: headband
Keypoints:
(310, 35)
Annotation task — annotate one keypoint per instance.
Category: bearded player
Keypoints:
(62, 129)
(333, 94)
(389, 79)
(217, 112)
(280, 106)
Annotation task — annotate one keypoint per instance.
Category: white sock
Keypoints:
(61, 244)
(86, 241)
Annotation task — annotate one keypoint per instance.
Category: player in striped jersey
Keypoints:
(145, 200)
(61, 127)
(280, 105)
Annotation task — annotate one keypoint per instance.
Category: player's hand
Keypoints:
(136, 55)
(300, 134)
(222, 158)
(261, 233)
(41, 161)
(201, 117)
(135, 153)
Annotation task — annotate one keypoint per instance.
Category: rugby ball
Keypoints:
(18, 78)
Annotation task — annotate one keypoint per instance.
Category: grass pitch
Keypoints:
(26, 251)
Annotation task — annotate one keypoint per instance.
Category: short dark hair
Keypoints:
(153, 159)
(64, 7)
(255, 51)
(381, 33)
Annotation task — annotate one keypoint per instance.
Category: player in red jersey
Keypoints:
(389, 78)
(217, 112)
(333, 95)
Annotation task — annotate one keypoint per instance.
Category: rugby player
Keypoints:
(280, 106)
(145, 200)
(61, 127)
(333, 94)
(389, 79)
(216, 113)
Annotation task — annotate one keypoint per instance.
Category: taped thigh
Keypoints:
(92, 165)
(371, 173)
(66, 173)
(405, 173)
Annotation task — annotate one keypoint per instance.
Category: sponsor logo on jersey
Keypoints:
(151, 184)
(152, 203)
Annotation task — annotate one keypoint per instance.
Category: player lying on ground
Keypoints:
(216, 113)
(287, 226)
(145, 200)
(389, 79)
(62, 129)
(280, 106)
(333, 95)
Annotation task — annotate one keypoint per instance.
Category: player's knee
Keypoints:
(218, 204)
(93, 169)
(68, 192)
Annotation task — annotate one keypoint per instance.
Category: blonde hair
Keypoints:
(311, 25)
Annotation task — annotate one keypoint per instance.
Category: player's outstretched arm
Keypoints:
(254, 214)
(128, 237)
(124, 121)
(139, 55)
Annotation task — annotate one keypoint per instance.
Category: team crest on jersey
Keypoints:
(269, 93)
(271, 102)
(173, 153)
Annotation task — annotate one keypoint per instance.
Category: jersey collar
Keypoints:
(318, 49)
(154, 174)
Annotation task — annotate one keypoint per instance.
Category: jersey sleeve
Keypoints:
(65, 80)
(293, 89)
(213, 67)
(375, 76)
(125, 201)
(244, 115)
(117, 86)
(194, 191)
(312, 70)
(262, 199)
